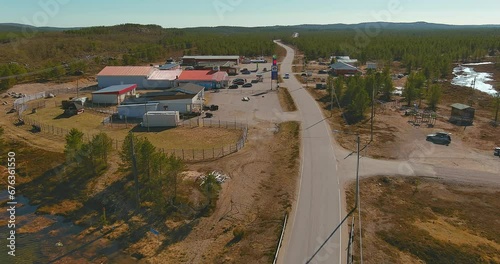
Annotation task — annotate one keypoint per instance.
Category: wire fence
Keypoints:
(25, 103)
(186, 154)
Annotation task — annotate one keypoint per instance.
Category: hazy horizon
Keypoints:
(239, 13)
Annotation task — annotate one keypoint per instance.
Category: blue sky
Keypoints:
(192, 13)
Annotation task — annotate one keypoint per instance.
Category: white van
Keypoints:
(286, 76)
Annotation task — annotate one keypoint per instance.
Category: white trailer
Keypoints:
(160, 119)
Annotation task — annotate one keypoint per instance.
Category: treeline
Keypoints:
(55, 55)
(159, 184)
(159, 181)
(355, 94)
(432, 51)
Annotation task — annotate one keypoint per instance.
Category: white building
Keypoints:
(115, 94)
(116, 75)
(160, 119)
(184, 99)
(135, 110)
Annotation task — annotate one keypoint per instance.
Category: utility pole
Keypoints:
(134, 170)
(497, 104)
(373, 111)
(358, 198)
(329, 83)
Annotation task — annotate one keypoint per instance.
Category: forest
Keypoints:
(44, 56)
(432, 51)
(59, 55)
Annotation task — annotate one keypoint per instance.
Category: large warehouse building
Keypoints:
(116, 75)
(184, 99)
(206, 78)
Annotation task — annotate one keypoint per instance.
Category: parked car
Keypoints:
(244, 69)
(247, 85)
(233, 86)
(497, 152)
(322, 72)
(287, 75)
(255, 81)
(245, 99)
(245, 72)
(439, 138)
(238, 80)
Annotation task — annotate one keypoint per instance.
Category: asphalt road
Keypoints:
(326, 168)
(319, 206)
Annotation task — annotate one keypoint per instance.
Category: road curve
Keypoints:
(318, 209)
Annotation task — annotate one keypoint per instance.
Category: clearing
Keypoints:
(415, 220)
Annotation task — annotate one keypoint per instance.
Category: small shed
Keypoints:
(462, 114)
(113, 94)
(342, 68)
(73, 108)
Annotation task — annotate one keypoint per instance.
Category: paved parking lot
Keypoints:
(263, 106)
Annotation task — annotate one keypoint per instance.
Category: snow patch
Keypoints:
(467, 77)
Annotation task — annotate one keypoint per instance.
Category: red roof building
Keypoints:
(206, 78)
(114, 94)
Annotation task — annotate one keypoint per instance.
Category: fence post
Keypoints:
(193, 154)
(222, 151)
(203, 154)
(219, 123)
(183, 154)
(116, 140)
(213, 153)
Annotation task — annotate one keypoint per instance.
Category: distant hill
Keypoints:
(14, 27)
(391, 25)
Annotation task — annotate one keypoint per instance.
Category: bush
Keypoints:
(238, 234)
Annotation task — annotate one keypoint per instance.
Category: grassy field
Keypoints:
(408, 220)
(91, 123)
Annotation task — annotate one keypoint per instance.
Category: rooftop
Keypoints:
(190, 88)
(161, 113)
(168, 66)
(164, 75)
(460, 106)
(212, 57)
(202, 75)
(126, 71)
(119, 89)
(342, 66)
